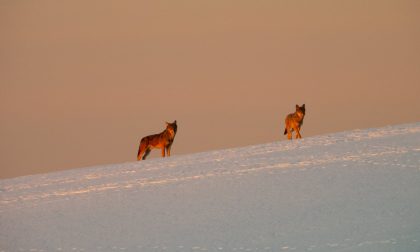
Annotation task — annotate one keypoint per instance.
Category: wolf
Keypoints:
(294, 121)
(162, 141)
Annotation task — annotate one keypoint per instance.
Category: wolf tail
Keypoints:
(140, 149)
(285, 131)
(138, 153)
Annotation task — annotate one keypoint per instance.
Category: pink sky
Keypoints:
(82, 81)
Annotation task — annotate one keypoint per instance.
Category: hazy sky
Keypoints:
(81, 82)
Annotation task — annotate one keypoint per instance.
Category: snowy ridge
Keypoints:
(349, 191)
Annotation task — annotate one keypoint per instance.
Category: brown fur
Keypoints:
(161, 141)
(294, 121)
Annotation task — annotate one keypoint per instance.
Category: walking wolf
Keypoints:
(294, 121)
(162, 141)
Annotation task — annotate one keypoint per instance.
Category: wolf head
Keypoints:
(172, 126)
(300, 110)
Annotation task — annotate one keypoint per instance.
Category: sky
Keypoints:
(82, 81)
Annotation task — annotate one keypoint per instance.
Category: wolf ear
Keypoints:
(167, 123)
(174, 122)
(303, 106)
(297, 106)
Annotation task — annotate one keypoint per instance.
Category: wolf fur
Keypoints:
(294, 121)
(161, 141)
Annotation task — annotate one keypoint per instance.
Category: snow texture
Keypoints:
(349, 191)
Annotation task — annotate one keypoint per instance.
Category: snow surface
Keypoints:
(350, 191)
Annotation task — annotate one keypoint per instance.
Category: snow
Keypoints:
(348, 191)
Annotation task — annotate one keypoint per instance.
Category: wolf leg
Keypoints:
(163, 151)
(298, 133)
(289, 134)
(146, 153)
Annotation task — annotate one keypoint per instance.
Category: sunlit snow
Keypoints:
(351, 191)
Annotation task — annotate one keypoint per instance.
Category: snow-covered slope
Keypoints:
(350, 191)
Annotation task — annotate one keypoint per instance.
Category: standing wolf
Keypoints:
(162, 141)
(294, 121)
